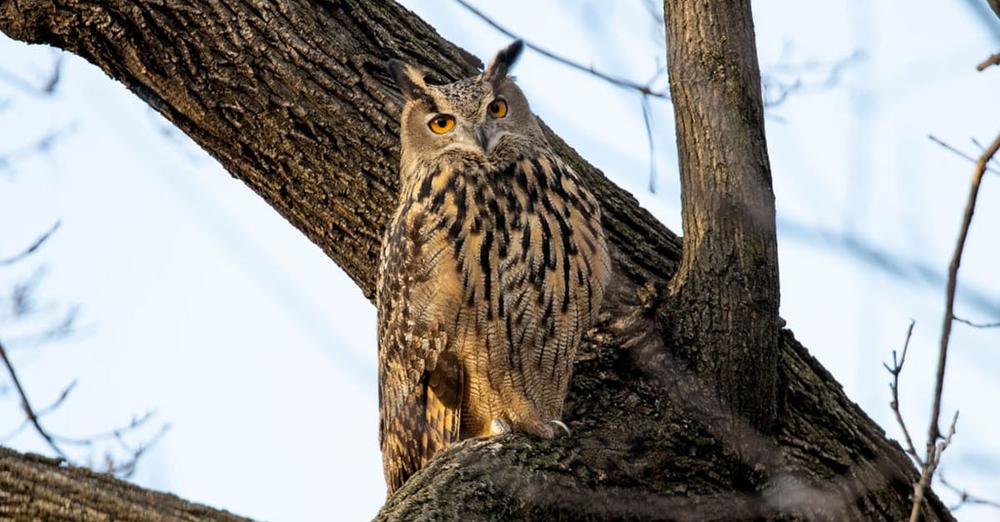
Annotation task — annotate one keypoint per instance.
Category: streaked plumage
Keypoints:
(493, 266)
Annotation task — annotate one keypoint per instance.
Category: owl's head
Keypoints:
(484, 118)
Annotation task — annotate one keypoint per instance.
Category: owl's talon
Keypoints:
(561, 425)
(499, 427)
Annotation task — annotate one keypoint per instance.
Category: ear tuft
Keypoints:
(408, 78)
(502, 62)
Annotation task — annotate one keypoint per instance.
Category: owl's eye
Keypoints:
(442, 123)
(497, 108)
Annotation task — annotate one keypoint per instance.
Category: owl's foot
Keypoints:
(500, 426)
(546, 430)
(562, 426)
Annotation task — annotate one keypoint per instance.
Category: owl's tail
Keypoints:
(428, 423)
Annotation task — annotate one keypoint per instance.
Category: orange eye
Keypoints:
(442, 123)
(497, 108)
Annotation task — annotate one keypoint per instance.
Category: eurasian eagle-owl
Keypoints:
(493, 265)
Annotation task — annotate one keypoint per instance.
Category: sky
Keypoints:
(199, 302)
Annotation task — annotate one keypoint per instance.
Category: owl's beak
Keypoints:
(482, 138)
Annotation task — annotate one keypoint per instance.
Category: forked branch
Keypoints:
(936, 443)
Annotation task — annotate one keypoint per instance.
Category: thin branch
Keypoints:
(13, 433)
(62, 329)
(977, 325)
(34, 246)
(956, 261)
(42, 412)
(992, 163)
(41, 146)
(645, 90)
(127, 468)
(32, 416)
(992, 60)
(952, 148)
(934, 452)
(48, 85)
(123, 468)
(895, 370)
(777, 91)
(58, 402)
(964, 497)
(647, 119)
(116, 433)
(935, 448)
(22, 296)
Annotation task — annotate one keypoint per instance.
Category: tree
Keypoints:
(689, 401)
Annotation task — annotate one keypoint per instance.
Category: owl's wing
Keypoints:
(552, 277)
(419, 380)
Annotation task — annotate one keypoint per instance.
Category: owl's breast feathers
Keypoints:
(487, 281)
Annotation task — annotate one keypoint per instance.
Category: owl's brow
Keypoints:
(429, 102)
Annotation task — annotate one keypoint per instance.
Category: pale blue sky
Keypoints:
(202, 303)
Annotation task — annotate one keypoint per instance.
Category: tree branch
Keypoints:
(895, 370)
(964, 497)
(645, 90)
(934, 448)
(977, 325)
(32, 248)
(992, 60)
(39, 488)
(956, 260)
(26, 405)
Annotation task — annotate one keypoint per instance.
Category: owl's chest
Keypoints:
(514, 241)
(489, 241)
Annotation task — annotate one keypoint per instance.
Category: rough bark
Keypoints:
(39, 488)
(292, 98)
(724, 297)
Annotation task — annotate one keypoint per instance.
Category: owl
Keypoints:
(493, 265)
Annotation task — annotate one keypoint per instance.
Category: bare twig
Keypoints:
(977, 325)
(41, 146)
(32, 416)
(58, 402)
(777, 91)
(992, 60)
(970, 208)
(645, 90)
(964, 497)
(116, 433)
(122, 468)
(31, 249)
(42, 412)
(992, 163)
(934, 447)
(127, 468)
(647, 119)
(48, 85)
(62, 328)
(895, 370)
(934, 452)
(960, 153)
(22, 296)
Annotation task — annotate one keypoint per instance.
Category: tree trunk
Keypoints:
(724, 297)
(293, 99)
